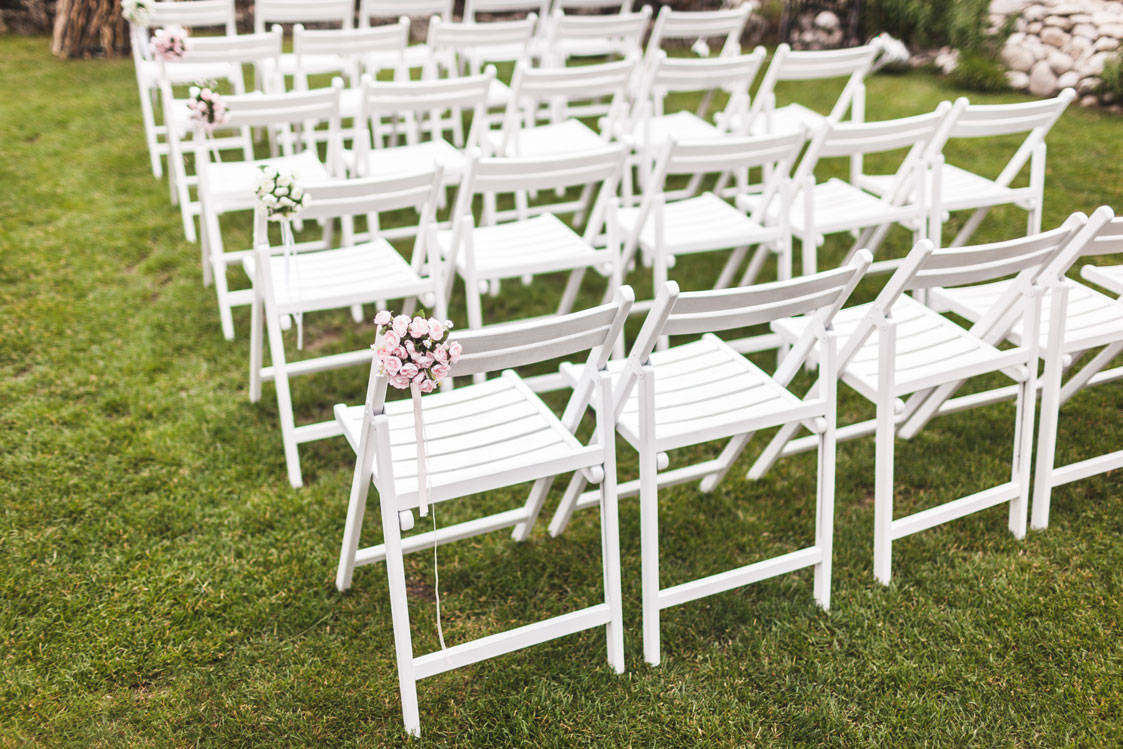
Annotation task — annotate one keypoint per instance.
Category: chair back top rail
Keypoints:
(624, 6)
(1109, 241)
(303, 11)
(580, 82)
(511, 345)
(239, 48)
(541, 8)
(512, 174)
(622, 25)
(986, 120)
(684, 24)
(391, 97)
(850, 138)
(705, 73)
(192, 15)
(369, 9)
(368, 195)
(350, 42)
(256, 110)
(465, 37)
(807, 65)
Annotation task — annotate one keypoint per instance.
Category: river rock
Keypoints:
(1042, 80)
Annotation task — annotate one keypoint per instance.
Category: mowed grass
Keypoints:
(161, 584)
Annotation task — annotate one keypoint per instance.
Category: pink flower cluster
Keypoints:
(206, 105)
(168, 44)
(415, 351)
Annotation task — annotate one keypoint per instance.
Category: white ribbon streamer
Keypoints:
(289, 243)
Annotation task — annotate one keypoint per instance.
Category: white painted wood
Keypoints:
(481, 437)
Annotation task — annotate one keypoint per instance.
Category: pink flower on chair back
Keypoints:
(414, 351)
(207, 107)
(168, 44)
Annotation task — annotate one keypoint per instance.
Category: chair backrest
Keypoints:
(788, 65)
(1109, 240)
(727, 24)
(1034, 118)
(519, 176)
(479, 43)
(296, 113)
(382, 99)
(621, 6)
(531, 88)
(345, 199)
(369, 9)
(198, 14)
(732, 73)
(693, 313)
(540, 8)
(836, 139)
(303, 11)
(624, 31)
(353, 45)
(261, 50)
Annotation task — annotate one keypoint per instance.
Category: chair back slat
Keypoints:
(392, 97)
(463, 38)
(986, 120)
(582, 82)
(848, 139)
(350, 42)
(728, 309)
(369, 195)
(734, 72)
(623, 6)
(472, 7)
(369, 9)
(258, 110)
(960, 266)
(717, 154)
(513, 345)
(807, 65)
(1109, 241)
(511, 174)
(240, 48)
(193, 15)
(303, 11)
(679, 24)
(625, 27)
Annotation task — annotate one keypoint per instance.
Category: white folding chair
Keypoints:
(896, 350)
(664, 230)
(1076, 320)
(962, 189)
(408, 105)
(811, 65)
(194, 16)
(541, 116)
(535, 241)
(342, 12)
(348, 275)
(483, 438)
(468, 48)
(415, 55)
(670, 411)
(258, 50)
(618, 34)
(836, 206)
(228, 186)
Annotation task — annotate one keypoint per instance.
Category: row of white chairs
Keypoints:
(899, 351)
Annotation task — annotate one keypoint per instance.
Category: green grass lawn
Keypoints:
(161, 584)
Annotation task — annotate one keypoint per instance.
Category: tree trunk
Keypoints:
(89, 28)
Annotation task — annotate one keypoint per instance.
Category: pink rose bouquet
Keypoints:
(414, 351)
(206, 105)
(168, 44)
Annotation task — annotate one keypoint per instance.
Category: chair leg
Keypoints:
(399, 613)
(148, 116)
(533, 506)
(1022, 462)
(810, 253)
(883, 491)
(356, 509)
(736, 257)
(726, 459)
(1046, 442)
(284, 401)
(572, 287)
(756, 262)
(610, 528)
(567, 505)
(222, 292)
(649, 520)
(824, 502)
(970, 227)
(256, 345)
